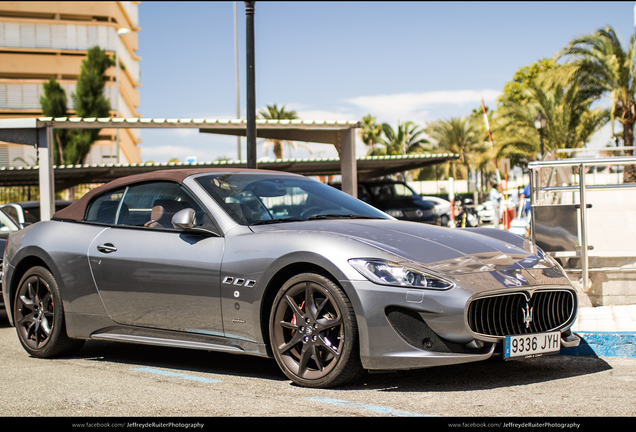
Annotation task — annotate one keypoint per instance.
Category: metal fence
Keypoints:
(10, 194)
(559, 226)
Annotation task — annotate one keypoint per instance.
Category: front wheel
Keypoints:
(314, 333)
(39, 316)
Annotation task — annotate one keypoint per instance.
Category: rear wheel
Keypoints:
(314, 333)
(39, 316)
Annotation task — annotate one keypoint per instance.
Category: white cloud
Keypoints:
(422, 107)
(417, 107)
(163, 153)
(317, 114)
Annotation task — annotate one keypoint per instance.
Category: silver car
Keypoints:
(278, 265)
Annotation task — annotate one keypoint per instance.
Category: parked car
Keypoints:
(278, 265)
(28, 212)
(397, 199)
(442, 208)
(7, 226)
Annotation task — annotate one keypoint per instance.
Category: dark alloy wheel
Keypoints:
(39, 316)
(313, 332)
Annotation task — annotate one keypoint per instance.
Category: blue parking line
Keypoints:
(604, 344)
(177, 375)
(376, 408)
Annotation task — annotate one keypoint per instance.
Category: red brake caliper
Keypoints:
(293, 321)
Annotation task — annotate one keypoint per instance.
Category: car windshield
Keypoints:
(253, 199)
(387, 191)
(6, 223)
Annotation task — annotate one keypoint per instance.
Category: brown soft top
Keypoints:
(77, 210)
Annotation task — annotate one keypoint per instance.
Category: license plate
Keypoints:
(532, 345)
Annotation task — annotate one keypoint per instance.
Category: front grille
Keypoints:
(418, 213)
(513, 314)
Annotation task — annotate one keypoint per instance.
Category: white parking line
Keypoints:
(177, 375)
(376, 408)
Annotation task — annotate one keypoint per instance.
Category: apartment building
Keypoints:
(40, 40)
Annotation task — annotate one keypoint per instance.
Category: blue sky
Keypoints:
(399, 61)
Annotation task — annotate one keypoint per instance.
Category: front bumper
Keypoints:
(411, 329)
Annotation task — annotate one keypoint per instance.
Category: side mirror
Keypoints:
(184, 219)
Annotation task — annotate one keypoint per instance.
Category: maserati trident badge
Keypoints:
(527, 315)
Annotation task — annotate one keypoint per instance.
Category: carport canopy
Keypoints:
(341, 134)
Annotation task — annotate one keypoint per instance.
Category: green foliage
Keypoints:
(514, 90)
(53, 101)
(458, 136)
(603, 68)
(370, 132)
(596, 66)
(272, 112)
(90, 101)
(72, 146)
(54, 104)
(571, 121)
(406, 139)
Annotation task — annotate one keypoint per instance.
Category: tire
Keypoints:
(314, 333)
(39, 316)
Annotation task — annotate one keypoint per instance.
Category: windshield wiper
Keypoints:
(341, 216)
(272, 221)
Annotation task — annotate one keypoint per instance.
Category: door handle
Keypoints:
(107, 248)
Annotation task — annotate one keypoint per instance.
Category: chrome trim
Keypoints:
(502, 315)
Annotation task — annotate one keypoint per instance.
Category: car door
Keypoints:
(149, 273)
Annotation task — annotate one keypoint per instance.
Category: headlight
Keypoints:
(395, 213)
(389, 273)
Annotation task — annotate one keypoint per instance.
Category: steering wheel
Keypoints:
(311, 211)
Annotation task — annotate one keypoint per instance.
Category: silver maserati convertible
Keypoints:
(279, 265)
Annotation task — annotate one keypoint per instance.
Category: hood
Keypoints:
(454, 252)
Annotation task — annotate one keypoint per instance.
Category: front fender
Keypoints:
(17, 265)
(46, 244)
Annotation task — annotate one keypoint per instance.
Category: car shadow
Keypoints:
(485, 375)
(489, 374)
(181, 360)
(4, 320)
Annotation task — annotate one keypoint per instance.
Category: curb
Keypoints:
(604, 344)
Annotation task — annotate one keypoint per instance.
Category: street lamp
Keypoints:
(540, 122)
(120, 33)
(251, 87)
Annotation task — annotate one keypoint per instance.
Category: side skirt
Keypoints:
(175, 343)
(102, 328)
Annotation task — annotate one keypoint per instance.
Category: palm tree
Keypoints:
(571, 122)
(605, 69)
(370, 132)
(407, 139)
(274, 113)
(459, 136)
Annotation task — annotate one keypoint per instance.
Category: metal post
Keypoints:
(348, 164)
(583, 200)
(47, 184)
(120, 33)
(236, 67)
(251, 87)
(117, 99)
(533, 199)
